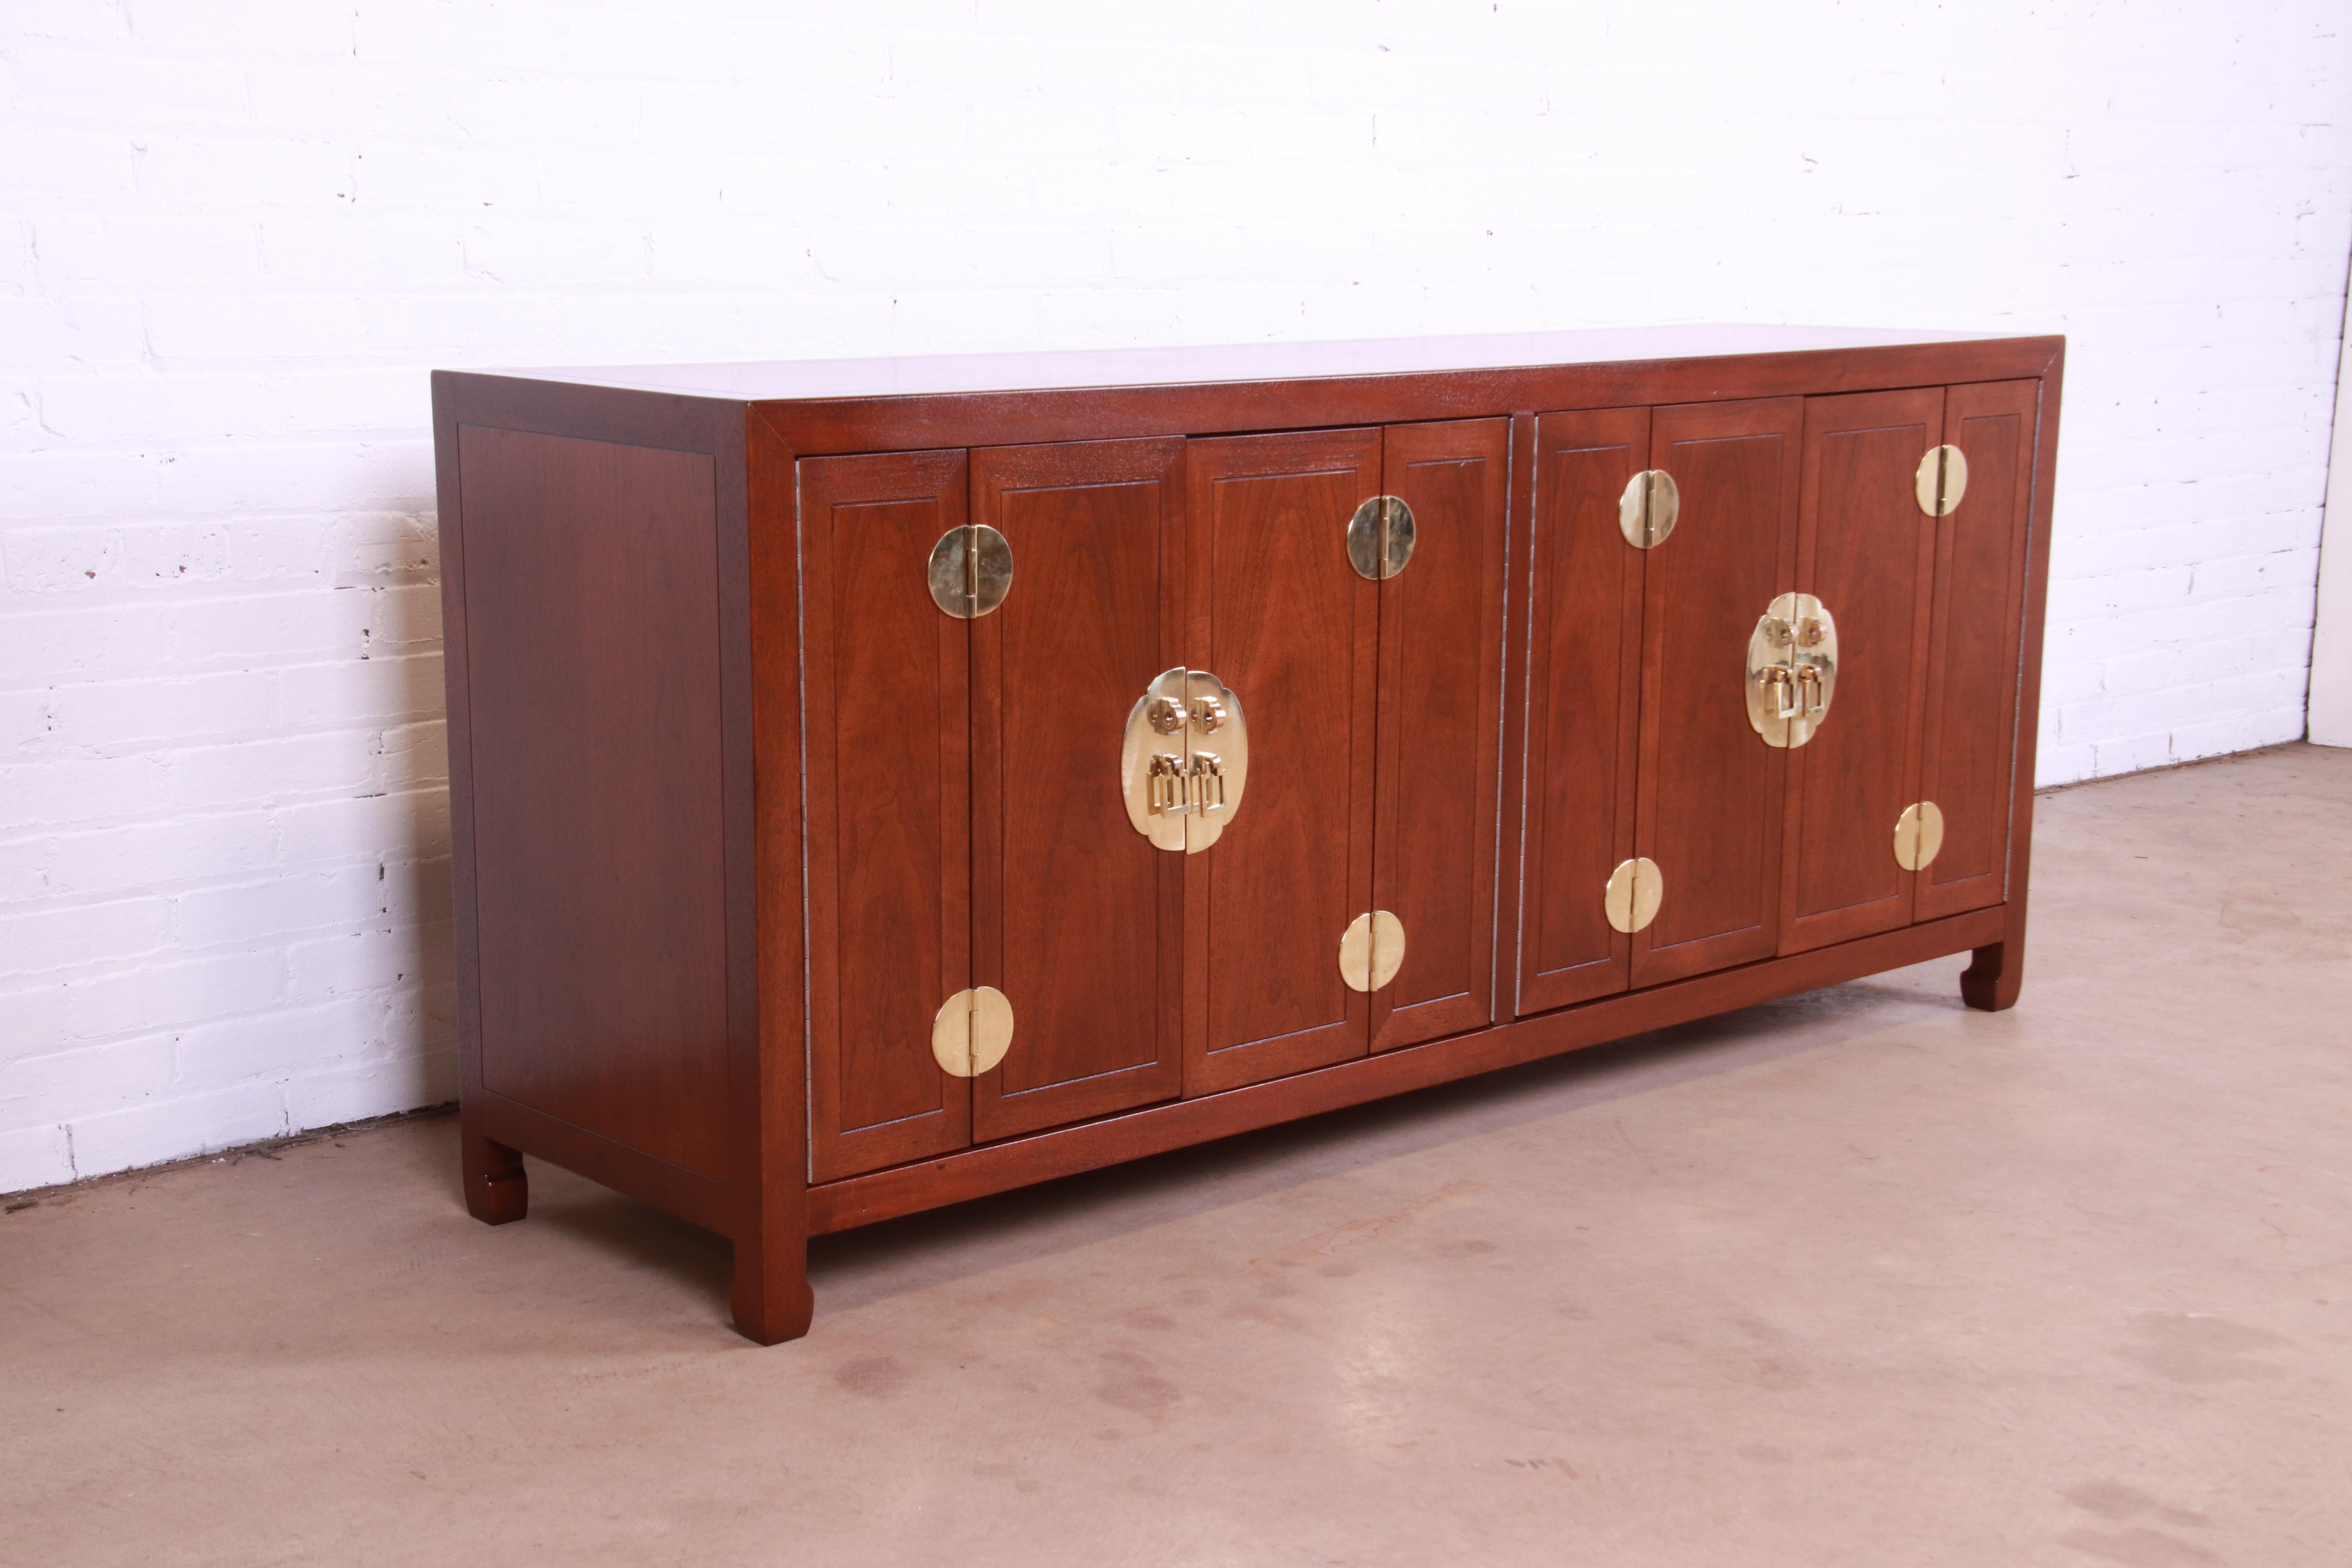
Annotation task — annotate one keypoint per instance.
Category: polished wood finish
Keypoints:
(816, 805)
(768, 1188)
(1283, 619)
(1584, 706)
(1440, 724)
(1972, 707)
(1078, 919)
(599, 877)
(1710, 793)
(889, 804)
(1866, 551)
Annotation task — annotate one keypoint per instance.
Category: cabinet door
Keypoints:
(1281, 617)
(1711, 789)
(1584, 676)
(1865, 549)
(1077, 918)
(889, 848)
(1971, 741)
(1439, 759)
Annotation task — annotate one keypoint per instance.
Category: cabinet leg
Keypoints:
(771, 1298)
(1992, 980)
(497, 1191)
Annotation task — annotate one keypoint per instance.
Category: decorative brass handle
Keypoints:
(1181, 799)
(1648, 510)
(1792, 658)
(971, 570)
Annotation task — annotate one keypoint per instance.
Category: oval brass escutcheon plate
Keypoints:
(1184, 763)
(972, 1032)
(1918, 835)
(1792, 665)
(971, 570)
(1942, 480)
(1381, 537)
(1649, 509)
(1635, 892)
(1372, 951)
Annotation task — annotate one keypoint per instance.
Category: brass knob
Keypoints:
(1166, 714)
(1208, 713)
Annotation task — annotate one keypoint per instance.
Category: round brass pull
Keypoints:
(1942, 480)
(972, 1032)
(1372, 951)
(1381, 537)
(1635, 892)
(971, 570)
(1649, 509)
(1918, 835)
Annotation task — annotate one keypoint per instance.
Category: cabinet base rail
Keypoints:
(1068, 1151)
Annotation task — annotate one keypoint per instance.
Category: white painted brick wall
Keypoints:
(235, 234)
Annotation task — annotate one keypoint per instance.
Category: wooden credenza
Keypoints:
(877, 784)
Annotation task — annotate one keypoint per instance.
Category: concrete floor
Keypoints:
(1860, 1277)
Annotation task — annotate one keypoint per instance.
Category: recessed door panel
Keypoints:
(1077, 917)
(1710, 788)
(889, 809)
(1971, 731)
(1441, 671)
(1865, 549)
(1583, 705)
(1280, 616)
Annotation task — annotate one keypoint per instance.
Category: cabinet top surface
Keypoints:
(932, 374)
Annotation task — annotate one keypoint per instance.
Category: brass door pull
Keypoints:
(1942, 480)
(1632, 895)
(1372, 951)
(1648, 510)
(971, 570)
(1381, 537)
(1918, 835)
(1181, 799)
(1792, 658)
(971, 1031)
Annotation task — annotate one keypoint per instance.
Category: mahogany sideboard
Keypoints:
(877, 784)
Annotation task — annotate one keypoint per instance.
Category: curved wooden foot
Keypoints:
(771, 1298)
(497, 1191)
(1993, 978)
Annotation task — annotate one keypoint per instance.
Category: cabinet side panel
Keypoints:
(890, 807)
(591, 587)
(1980, 594)
(1585, 674)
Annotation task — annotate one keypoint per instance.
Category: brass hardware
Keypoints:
(1649, 509)
(1791, 669)
(971, 571)
(1182, 798)
(1942, 480)
(1635, 892)
(1372, 951)
(1381, 537)
(1918, 835)
(972, 1032)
